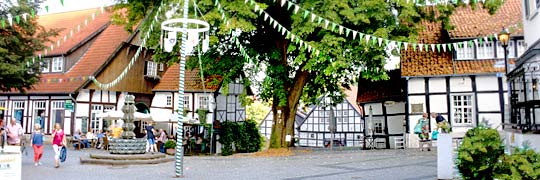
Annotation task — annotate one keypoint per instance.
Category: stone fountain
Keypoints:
(128, 144)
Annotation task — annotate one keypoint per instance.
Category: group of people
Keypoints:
(422, 126)
(155, 139)
(86, 138)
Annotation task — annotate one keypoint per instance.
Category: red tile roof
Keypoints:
(192, 81)
(471, 23)
(102, 48)
(391, 89)
(68, 21)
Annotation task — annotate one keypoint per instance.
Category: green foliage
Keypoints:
(18, 44)
(248, 138)
(479, 153)
(293, 73)
(170, 144)
(523, 164)
(226, 137)
(257, 111)
(202, 115)
(244, 135)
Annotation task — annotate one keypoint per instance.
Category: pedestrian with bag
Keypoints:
(58, 142)
(422, 127)
(37, 144)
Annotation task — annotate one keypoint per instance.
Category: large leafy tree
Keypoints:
(293, 73)
(18, 43)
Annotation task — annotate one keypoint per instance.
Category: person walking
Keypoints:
(422, 127)
(14, 133)
(151, 138)
(59, 140)
(37, 144)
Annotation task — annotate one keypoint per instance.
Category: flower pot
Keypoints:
(170, 151)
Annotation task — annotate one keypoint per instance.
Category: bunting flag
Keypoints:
(133, 59)
(331, 26)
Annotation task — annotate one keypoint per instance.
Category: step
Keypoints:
(127, 157)
(88, 160)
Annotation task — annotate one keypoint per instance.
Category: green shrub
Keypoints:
(226, 138)
(248, 137)
(244, 135)
(479, 153)
(522, 164)
(170, 144)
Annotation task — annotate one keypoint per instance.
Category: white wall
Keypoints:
(531, 25)
(514, 139)
(437, 85)
(460, 84)
(416, 85)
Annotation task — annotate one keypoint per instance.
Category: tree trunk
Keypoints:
(284, 121)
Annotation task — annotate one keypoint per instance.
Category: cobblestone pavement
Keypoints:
(348, 164)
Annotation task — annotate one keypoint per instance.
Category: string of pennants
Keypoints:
(121, 76)
(354, 34)
(239, 45)
(135, 57)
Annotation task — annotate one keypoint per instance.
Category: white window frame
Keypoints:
(510, 48)
(151, 68)
(57, 64)
(521, 47)
(458, 114)
(96, 123)
(187, 102)
(161, 67)
(55, 106)
(485, 50)
(203, 101)
(169, 100)
(46, 66)
(465, 52)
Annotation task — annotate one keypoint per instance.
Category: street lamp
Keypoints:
(504, 37)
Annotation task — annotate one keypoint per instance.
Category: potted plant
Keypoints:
(170, 147)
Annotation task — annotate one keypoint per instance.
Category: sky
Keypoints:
(71, 5)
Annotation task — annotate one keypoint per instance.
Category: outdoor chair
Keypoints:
(105, 143)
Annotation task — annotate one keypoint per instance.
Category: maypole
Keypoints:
(179, 165)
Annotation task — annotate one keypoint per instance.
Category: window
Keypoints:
(161, 67)
(58, 113)
(151, 68)
(203, 102)
(39, 113)
(57, 64)
(521, 47)
(500, 50)
(465, 52)
(462, 109)
(378, 127)
(485, 50)
(95, 122)
(18, 111)
(45, 65)
(2, 104)
(186, 102)
(169, 100)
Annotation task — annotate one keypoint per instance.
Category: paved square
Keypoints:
(347, 164)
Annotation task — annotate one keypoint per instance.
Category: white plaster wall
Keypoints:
(112, 96)
(488, 102)
(121, 99)
(460, 84)
(531, 26)
(18, 97)
(493, 119)
(437, 103)
(487, 83)
(105, 96)
(221, 105)
(376, 108)
(437, 85)
(96, 97)
(82, 109)
(3, 97)
(413, 119)
(417, 99)
(416, 85)
(160, 99)
(160, 115)
(398, 107)
(39, 97)
(395, 124)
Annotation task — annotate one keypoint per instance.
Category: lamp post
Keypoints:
(504, 37)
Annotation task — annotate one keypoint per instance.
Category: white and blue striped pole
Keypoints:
(179, 165)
